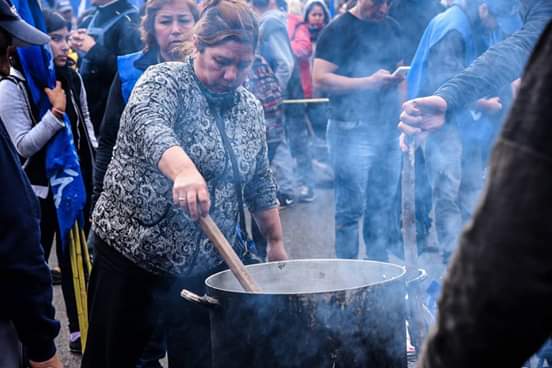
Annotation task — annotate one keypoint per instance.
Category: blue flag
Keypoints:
(62, 162)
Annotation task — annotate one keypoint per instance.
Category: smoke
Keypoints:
(339, 314)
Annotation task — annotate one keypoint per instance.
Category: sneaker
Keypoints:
(305, 194)
(56, 275)
(75, 346)
(285, 200)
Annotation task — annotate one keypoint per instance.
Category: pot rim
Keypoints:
(305, 260)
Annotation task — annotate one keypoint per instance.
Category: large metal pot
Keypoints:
(312, 314)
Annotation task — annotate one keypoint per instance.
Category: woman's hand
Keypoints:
(276, 251)
(57, 97)
(190, 192)
(189, 188)
(53, 362)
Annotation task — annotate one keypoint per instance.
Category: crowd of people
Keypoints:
(175, 110)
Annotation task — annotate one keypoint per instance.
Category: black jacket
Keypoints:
(121, 39)
(110, 124)
(496, 307)
(25, 283)
(500, 64)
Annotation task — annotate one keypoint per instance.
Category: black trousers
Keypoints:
(49, 228)
(127, 303)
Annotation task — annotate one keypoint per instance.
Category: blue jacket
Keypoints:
(502, 63)
(453, 19)
(128, 72)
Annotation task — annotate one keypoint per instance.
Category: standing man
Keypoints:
(105, 33)
(451, 157)
(364, 103)
(495, 308)
(26, 311)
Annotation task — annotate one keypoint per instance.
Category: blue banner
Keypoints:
(62, 162)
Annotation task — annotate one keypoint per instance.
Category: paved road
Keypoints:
(308, 230)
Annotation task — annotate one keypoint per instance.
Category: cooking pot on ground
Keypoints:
(312, 313)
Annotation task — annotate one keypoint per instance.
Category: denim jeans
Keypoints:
(455, 171)
(282, 166)
(300, 142)
(366, 159)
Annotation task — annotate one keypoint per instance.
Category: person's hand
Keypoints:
(82, 41)
(423, 114)
(276, 251)
(489, 106)
(383, 79)
(57, 97)
(53, 362)
(190, 192)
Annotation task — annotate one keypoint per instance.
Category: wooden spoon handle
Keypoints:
(227, 252)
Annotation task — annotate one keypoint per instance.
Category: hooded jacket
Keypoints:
(303, 42)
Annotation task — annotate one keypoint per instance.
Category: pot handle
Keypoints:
(420, 276)
(204, 300)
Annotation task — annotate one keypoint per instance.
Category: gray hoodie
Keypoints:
(274, 45)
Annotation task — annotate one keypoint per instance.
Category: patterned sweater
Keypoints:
(135, 213)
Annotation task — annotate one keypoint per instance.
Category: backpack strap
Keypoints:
(23, 87)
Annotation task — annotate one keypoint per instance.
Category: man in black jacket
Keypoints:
(25, 283)
(495, 308)
(105, 33)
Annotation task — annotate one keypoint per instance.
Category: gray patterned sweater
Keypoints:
(135, 213)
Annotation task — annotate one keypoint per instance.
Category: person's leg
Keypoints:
(300, 147)
(282, 166)
(318, 116)
(156, 348)
(350, 156)
(10, 348)
(381, 216)
(443, 155)
(123, 310)
(48, 224)
(67, 288)
(472, 172)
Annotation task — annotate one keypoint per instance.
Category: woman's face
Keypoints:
(172, 27)
(60, 46)
(316, 17)
(224, 67)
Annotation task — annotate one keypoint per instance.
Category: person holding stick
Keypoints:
(198, 147)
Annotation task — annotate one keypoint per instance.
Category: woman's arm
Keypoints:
(271, 228)
(15, 114)
(189, 189)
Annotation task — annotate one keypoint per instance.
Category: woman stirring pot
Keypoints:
(191, 143)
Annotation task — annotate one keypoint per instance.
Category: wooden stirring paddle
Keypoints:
(227, 252)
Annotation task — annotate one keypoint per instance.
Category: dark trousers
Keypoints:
(127, 303)
(49, 228)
